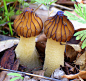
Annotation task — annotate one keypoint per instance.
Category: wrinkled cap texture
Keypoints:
(58, 27)
(28, 23)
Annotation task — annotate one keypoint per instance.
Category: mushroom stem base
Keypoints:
(27, 53)
(54, 56)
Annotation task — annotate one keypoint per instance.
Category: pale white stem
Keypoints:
(27, 53)
(54, 56)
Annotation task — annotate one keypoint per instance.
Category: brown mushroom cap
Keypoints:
(28, 23)
(58, 27)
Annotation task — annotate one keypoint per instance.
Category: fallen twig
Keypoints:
(44, 77)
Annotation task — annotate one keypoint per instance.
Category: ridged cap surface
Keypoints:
(58, 27)
(28, 23)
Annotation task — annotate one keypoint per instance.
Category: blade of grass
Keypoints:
(14, 74)
(5, 7)
(15, 78)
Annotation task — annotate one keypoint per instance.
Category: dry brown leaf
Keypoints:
(32, 80)
(2, 75)
(71, 54)
(8, 60)
(41, 43)
(81, 79)
(26, 78)
(57, 73)
(76, 47)
(9, 77)
(81, 74)
(8, 44)
(44, 80)
(81, 61)
(76, 80)
(40, 72)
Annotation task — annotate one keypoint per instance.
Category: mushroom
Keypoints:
(57, 29)
(28, 25)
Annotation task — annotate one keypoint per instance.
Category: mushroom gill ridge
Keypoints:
(58, 27)
(26, 23)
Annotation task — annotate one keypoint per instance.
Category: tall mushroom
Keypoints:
(28, 25)
(58, 29)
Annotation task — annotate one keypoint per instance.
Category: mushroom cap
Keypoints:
(58, 27)
(28, 23)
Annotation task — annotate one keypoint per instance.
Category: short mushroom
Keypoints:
(27, 25)
(58, 29)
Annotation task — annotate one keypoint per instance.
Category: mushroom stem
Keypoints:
(54, 56)
(27, 53)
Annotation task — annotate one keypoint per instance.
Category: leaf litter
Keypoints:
(74, 63)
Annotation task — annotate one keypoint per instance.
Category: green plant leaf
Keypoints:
(68, 13)
(20, 1)
(4, 33)
(83, 44)
(79, 7)
(82, 21)
(11, 13)
(14, 74)
(77, 33)
(26, 4)
(18, 12)
(73, 18)
(0, 3)
(45, 2)
(3, 21)
(0, 17)
(32, 1)
(84, 12)
(1, 9)
(72, 0)
(83, 38)
(41, 1)
(76, 7)
(10, 1)
(11, 22)
(80, 10)
(79, 36)
(53, 2)
(13, 79)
